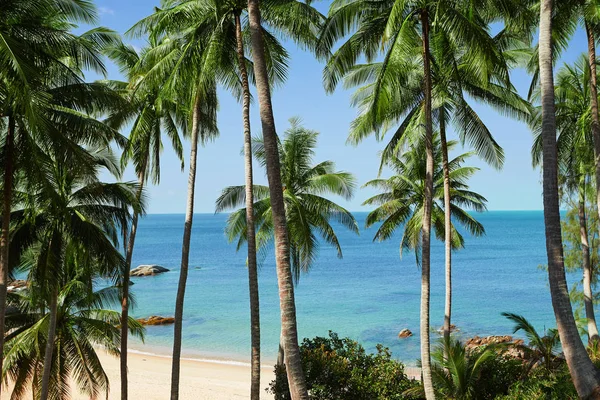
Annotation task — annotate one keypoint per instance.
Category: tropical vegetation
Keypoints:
(420, 71)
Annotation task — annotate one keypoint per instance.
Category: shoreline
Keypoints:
(150, 379)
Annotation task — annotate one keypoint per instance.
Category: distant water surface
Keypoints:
(369, 295)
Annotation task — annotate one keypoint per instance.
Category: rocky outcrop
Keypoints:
(404, 333)
(477, 341)
(156, 320)
(453, 328)
(147, 270)
(16, 285)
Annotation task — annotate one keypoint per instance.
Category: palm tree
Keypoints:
(540, 349)
(67, 206)
(186, 64)
(151, 117)
(37, 51)
(401, 204)
(296, 380)
(575, 158)
(586, 377)
(308, 214)
(83, 322)
(399, 31)
(456, 371)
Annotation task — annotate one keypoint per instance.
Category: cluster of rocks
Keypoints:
(477, 341)
(156, 320)
(147, 270)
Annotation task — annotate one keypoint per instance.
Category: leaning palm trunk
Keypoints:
(427, 206)
(125, 298)
(297, 383)
(586, 377)
(185, 251)
(251, 234)
(447, 232)
(47, 369)
(4, 239)
(587, 266)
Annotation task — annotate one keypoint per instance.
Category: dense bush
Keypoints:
(498, 374)
(543, 385)
(341, 369)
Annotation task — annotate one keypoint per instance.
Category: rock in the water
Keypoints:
(16, 285)
(156, 320)
(147, 270)
(453, 328)
(404, 333)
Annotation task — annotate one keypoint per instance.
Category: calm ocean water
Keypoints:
(369, 295)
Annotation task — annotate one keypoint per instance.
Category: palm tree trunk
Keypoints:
(4, 239)
(251, 234)
(185, 251)
(427, 205)
(281, 351)
(296, 380)
(587, 266)
(586, 377)
(447, 231)
(125, 299)
(49, 346)
(594, 106)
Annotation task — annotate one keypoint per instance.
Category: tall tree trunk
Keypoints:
(587, 266)
(4, 238)
(594, 106)
(297, 383)
(251, 233)
(427, 205)
(281, 350)
(125, 299)
(185, 251)
(447, 231)
(49, 346)
(584, 374)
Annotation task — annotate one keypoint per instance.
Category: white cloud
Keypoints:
(106, 11)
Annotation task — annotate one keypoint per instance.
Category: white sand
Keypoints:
(150, 379)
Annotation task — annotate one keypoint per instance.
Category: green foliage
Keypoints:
(309, 212)
(481, 373)
(401, 198)
(341, 369)
(543, 385)
(541, 349)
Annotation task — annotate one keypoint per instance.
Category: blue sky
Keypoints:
(516, 187)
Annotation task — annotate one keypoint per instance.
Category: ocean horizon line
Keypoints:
(352, 211)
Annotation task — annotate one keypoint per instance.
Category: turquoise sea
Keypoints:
(369, 295)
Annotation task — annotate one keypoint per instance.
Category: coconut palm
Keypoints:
(401, 204)
(575, 157)
(152, 116)
(224, 20)
(296, 380)
(457, 371)
(187, 64)
(586, 377)
(540, 349)
(37, 51)
(308, 214)
(405, 34)
(83, 322)
(67, 206)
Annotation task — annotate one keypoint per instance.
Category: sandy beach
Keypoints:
(150, 379)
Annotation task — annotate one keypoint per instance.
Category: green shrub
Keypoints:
(341, 369)
(541, 384)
